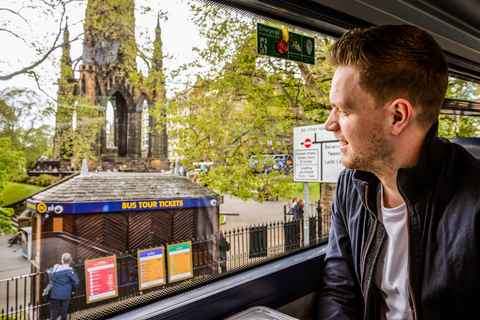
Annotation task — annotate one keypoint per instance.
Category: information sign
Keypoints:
(151, 268)
(180, 262)
(101, 278)
(270, 42)
(316, 155)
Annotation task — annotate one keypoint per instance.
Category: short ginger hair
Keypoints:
(396, 61)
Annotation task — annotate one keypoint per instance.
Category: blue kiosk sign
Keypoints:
(118, 206)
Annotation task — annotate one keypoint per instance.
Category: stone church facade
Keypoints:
(126, 133)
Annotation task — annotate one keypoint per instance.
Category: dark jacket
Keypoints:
(64, 281)
(442, 195)
(298, 211)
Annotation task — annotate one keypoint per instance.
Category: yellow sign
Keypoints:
(180, 262)
(151, 270)
(41, 207)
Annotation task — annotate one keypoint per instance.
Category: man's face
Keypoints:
(360, 126)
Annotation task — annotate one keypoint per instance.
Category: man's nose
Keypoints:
(332, 124)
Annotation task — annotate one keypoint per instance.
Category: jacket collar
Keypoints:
(413, 183)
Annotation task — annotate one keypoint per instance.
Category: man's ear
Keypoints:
(402, 112)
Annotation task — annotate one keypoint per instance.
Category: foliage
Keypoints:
(242, 104)
(77, 129)
(41, 180)
(455, 126)
(11, 161)
(21, 110)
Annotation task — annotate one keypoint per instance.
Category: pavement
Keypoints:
(12, 263)
(241, 213)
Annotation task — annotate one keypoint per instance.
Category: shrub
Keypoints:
(42, 180)
(18, 178)
(45, 180)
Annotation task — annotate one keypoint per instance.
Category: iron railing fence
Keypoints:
(214, 256)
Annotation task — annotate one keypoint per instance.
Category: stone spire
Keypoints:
(110, 34)
(157, 64)
(66, 61)
(65, 100)
(157, 48)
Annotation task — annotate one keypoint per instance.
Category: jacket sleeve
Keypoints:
(75, 282)
(340, 296)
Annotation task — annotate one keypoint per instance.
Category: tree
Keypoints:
(455, 126)
(11, 161)
(22, 113)
(242, 104)
(20, 19)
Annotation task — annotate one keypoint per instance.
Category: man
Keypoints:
(403, 240)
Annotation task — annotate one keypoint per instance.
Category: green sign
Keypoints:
(269, 43)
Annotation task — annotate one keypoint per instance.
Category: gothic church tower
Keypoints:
(130, 135)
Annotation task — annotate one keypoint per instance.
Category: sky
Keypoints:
(38, 25)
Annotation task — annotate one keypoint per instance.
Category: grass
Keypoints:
(297, 191)
(16, 191)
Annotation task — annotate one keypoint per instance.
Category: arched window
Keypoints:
(145, 129)
(110, 126)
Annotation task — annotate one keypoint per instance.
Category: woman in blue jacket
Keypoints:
(64, 284)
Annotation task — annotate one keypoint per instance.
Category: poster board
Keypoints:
(101, 278)
(151, 267)
(180, 261)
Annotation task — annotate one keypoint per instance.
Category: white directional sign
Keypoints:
(316, 155)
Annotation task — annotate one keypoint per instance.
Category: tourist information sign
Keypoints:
(101, 278)
(180, 262)
(151, 267)
(280, 43)
(316, 155)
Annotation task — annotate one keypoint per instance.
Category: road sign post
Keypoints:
(316, 158)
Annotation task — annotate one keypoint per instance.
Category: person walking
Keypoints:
(298, 210)
(64, 284)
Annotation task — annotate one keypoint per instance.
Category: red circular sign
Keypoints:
(308, 143)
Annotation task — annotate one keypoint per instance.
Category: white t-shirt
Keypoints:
(391, 272)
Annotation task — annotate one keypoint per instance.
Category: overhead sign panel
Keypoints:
(271, 41)
(316, 155)
(116, 206)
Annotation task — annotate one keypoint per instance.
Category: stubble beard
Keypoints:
(376, 158)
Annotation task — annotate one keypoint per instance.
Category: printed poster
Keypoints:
(151, 270)
(180, 262)
(101, 278)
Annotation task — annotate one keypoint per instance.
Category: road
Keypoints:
(250, 212)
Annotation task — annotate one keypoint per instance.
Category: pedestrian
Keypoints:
(38, 168)
(298, 210)
(64, 284)
(73, 167)
(16, 239)
(223, 247)
(291, 211)
(404, 233)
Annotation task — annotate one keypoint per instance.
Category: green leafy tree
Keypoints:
(11, 161)
(242, 104)
(456, 126)
(22, 114)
